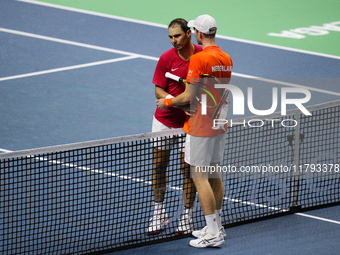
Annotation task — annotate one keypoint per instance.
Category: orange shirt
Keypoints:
(212, 60)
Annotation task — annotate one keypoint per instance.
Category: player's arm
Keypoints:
(183, 99)
(160, 92)
(189, 95)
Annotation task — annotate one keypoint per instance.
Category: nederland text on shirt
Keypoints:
(222, 68)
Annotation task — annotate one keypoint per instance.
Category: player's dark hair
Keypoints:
(182, 23)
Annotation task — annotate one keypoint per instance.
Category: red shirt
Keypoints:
(212, 60)
(171, 62)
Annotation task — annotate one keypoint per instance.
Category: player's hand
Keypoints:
(160, 104)
(189, 110)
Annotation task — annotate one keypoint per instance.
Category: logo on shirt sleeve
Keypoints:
(221, 68)
(190, 73)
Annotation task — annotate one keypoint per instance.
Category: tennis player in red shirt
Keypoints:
(175, 61)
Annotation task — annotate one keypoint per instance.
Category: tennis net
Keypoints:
(96, 196)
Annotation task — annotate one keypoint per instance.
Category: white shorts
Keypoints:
(163, 144)
(201, 151)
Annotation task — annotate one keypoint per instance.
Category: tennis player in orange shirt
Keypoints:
(204, 144)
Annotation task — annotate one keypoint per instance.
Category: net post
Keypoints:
(296, 174)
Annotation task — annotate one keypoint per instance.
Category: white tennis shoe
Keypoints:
(208, 241)
(158, 222)
(185, 225)
(202, 232)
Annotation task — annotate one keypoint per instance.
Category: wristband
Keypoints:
(169, 96)
(168, 102)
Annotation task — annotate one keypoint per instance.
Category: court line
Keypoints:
(99, 14)
(165, 26)
(57, 162)
(84, 45)
(285, 83)
(67, 68)
(5, 151)
(318, 218)
(133, 55)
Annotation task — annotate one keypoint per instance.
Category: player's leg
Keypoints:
(159, 178)
(189, 190)
(210, 190)
(216, 180)
(185, 224)
(205, 192)
(217, 186)
(161, 154)
(159, 182)
(211, 235)
(209, 196)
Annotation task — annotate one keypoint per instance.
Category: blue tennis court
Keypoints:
(71, 76)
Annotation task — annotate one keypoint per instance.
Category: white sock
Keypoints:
(212, 224)
(158, 207)
(188, 212)
(218, 214)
